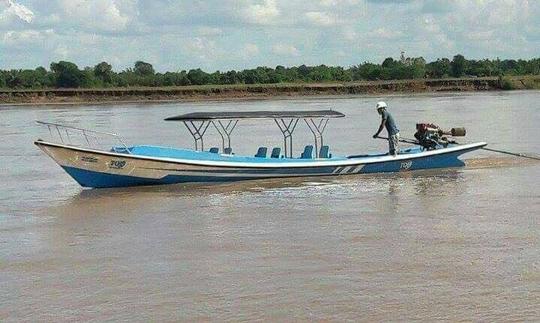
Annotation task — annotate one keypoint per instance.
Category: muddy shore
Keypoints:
(259, 91)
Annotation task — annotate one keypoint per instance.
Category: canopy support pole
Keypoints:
(225, 131)
(287, 129)
(317, 130)
(197, 131)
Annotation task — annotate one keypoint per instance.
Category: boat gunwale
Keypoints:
(297, 164)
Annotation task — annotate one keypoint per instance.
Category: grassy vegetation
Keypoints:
(531, 83)
(525, 82)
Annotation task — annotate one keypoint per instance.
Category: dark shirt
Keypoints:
(390, 124)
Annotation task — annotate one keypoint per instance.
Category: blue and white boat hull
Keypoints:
(149, 165)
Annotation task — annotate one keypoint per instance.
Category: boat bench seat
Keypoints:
(276, 151)
(308, 152)
(261, 152)
(324, 152)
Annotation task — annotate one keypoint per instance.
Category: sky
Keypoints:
(176, 35)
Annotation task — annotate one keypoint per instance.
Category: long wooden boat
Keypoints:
(125, 165)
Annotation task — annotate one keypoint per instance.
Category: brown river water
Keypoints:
(457, 244)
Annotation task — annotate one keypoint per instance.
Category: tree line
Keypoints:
(65, 74)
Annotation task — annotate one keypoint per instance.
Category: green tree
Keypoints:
(67, 74)
(533, 66)
(458, 65)
(251, 77)
(480, 68)
(438, 69)
(89, 79)
(198, 77)
(170, 79)
(214, 78)
(103, 71)
(288, 74)
(143, 68)
(183, 79)
(29, 79)
(44, 78)
(230, 77)
(303, 71)
(418, 67)
(389, 62)
(320, 73)
(367, 71)
(273, 76)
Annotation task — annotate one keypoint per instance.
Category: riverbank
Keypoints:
(260, 91)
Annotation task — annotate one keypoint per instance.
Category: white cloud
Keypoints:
(62, 52)
(349, 33)
(209, 31)
(261, 13)
(17, 38)
(436, 6)
(333, 3)
(202, 48)
(15, 10)
(480, 35)
(102, 15)
(250, 50)
(385, 33)
(285, 50)
(320, 18)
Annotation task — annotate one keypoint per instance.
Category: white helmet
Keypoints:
(382, 105)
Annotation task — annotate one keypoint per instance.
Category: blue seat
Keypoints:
(275, 152)
(214, 150)
(308, 152)
(228, 151)
(261, 152)
(324, 152)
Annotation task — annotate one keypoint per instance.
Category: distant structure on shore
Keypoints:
(408, 61)
(402, 57)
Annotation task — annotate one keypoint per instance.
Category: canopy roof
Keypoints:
(202, 116)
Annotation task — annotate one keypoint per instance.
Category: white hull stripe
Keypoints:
(356, 169)
(337, 170)
(346, 170)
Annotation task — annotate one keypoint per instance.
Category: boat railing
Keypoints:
(75, 136)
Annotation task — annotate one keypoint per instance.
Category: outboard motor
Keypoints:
(430, 136)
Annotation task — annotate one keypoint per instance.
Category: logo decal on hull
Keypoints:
(117, 164)
(406, 165)
(89, 159)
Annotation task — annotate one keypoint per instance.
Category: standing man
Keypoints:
(390, 125)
